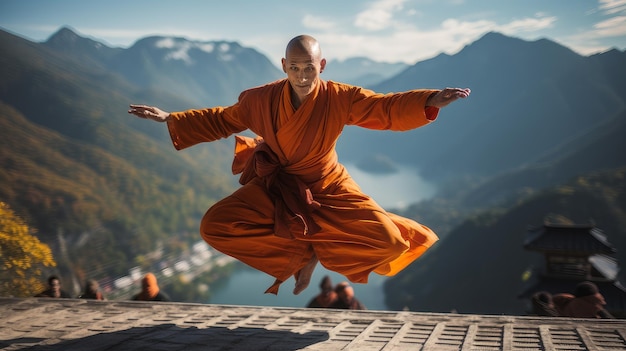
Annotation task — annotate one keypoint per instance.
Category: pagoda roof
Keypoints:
(575, 239)
(604, 266)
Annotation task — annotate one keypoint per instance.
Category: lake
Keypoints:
(246, 286)
(394, 190)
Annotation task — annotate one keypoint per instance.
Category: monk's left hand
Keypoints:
(149, 112)
(446, 96)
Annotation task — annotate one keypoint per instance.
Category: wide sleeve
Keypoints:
(191, 127)
(394, 111)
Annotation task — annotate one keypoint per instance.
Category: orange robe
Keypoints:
(348, 231)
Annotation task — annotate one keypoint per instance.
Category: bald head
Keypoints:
(304, 44)
(303, 64)
(345, 291)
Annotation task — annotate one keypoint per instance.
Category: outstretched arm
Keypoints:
(446, 96)
(149, 112)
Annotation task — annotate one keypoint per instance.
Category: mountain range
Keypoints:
(104, 188)
(527, 99)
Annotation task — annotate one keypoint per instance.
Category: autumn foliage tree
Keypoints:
(22, 256)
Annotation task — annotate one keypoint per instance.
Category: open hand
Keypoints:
(446, 96)
(149, 112)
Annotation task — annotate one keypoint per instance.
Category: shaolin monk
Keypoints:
(150, 290)
(297, 204)
(326, 296)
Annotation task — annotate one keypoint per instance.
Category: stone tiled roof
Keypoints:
(579, 239)
(67, 324)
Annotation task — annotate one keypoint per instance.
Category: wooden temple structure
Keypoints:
(573, 254)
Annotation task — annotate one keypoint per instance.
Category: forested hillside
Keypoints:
(478, 268)
(77, 167)
(478, 264)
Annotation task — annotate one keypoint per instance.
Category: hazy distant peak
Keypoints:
(64, 33)
(67, 38)
(494, 42)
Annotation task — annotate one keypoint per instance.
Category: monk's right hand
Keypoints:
(149, 112)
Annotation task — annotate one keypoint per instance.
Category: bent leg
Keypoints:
(359, 237)
(242, 226)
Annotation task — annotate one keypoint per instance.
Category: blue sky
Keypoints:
(384, 30)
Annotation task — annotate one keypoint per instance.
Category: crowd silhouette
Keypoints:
(150, 290)
(340, 297)
(54, 289)
(92, 291)
(585, 301)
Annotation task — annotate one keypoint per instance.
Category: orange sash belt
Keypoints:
(293, 200)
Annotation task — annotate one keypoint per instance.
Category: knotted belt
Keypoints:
(293, 200)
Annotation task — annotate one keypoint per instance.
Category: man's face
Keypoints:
(599, 299)
(346, 294)
(303, 70)
(327, 288)
(55, 285)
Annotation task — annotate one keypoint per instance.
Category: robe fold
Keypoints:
(297, 200)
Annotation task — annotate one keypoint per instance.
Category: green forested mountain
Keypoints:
(600, 148)
(478, 267)
(77, 167)
(513, 167)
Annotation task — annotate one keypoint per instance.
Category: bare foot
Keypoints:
(304, 276)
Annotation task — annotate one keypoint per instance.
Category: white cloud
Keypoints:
(378, 15)
(225, 54)
(167, 43)
(317, 23)
(592, 41)
(410, 44)
(179, 50)
(613, 6)
(527, 25)
(611, 27)
(407, 44)
(206, 47)
(614, 25)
